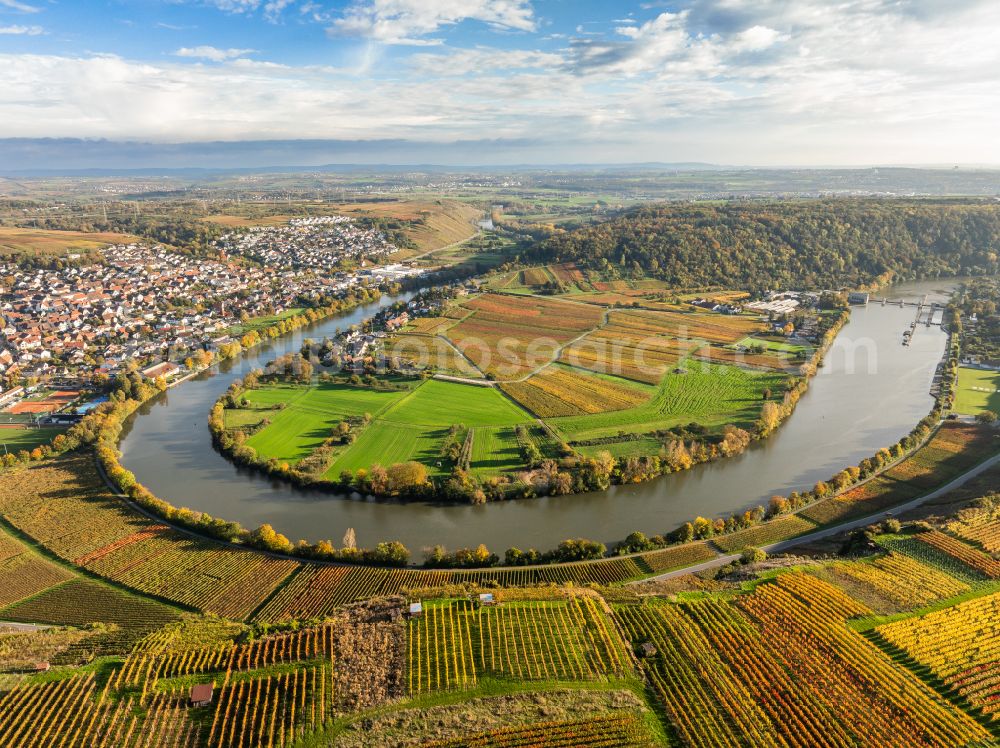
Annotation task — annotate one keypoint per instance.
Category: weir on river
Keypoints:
(870, 392)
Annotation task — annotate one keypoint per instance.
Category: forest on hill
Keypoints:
(818, 244)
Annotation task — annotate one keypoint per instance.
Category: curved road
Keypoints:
(827, 532)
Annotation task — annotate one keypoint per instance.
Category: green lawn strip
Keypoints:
(711, 394)
(386, 443)
(486, 688)
(495, 449)
(772, 346)
(977, 390)
(441, 403)
(243, 418)
(292, 434)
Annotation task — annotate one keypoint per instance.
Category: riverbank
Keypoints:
(868, 394)
(493, 450)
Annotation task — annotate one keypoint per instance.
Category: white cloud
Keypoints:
(735, 81)
(484, 61)
(756, 39)
(234, 6)
(214, 54)
(22, 30)
(19, 6)
(410, 21)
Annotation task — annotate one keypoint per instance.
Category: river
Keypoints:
(870, 391)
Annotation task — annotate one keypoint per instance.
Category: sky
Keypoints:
(742, 82)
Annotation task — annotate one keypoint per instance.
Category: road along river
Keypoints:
(870, 392)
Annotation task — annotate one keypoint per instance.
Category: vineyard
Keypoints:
(711, 395)
(903, 580)
(314, 591)
(979, 524)
(562, 391)
(89, 526)
(23, 574)
(780, 667)
(782, 528)
(454, 643)
(985, 565)
(960, 646)
(775, 666)
(271, 710)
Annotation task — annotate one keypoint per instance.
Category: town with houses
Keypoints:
(318, 243)
(149, 305)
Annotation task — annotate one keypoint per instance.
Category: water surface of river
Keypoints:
(870, 392)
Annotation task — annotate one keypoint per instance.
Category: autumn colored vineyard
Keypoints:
(959, 645)
(782, 664)
(453, 644)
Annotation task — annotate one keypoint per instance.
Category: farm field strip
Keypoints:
(718, 394)
(562, 391)
(495, 449)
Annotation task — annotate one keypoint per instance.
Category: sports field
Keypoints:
(16, 439)
(978, 390)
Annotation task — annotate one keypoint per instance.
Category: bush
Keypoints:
(752, 556)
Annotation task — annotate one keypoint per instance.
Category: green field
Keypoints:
(977, 391)
(18, 439)
(494, 450)
(773, 346)
(386, 443)
(439, 403)
(712, 395)
(259, 323)
(406, 425)
(310, 415)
